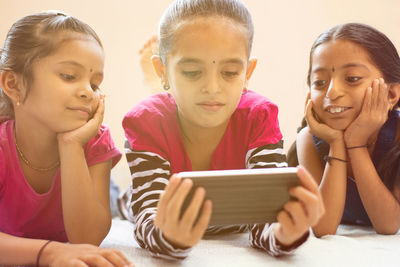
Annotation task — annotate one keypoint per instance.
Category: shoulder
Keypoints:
(6, 129)
(157, 106)
(255, 104)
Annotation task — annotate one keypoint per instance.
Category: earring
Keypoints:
(391, 107)
(244, 91)
(166, 86)
(18, 103)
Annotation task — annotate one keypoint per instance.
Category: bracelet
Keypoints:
(353, 147)
(40, 252)
(329, 159)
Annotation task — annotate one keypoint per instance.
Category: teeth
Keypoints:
(336, 109)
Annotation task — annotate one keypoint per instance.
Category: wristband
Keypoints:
(41, 251)
(353, 147)
(329, 159)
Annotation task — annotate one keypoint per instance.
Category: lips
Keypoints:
(81, 110)
(336, 110)
(211, 105)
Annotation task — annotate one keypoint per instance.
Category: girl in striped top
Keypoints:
(210, 121)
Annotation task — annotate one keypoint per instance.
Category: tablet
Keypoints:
(244, 196)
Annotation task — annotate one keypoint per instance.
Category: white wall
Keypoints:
(284, 32)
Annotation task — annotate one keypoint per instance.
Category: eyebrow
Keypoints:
(348, 65)
(198, 61)
(76, 64)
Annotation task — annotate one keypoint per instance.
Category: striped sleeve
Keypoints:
(262, 235)
(150, 173)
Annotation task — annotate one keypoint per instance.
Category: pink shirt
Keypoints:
(25, 213)
(152, 126)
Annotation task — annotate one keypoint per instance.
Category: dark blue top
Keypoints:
(354, 211)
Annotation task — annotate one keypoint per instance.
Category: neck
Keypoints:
(194, 134)
(37, 143)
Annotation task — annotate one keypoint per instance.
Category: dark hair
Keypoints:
(386, 58)
(34, 37)
(181, 10)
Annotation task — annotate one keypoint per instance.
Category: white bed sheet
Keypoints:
(351, 246)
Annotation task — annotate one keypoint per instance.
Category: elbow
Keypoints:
(320, 232)
(387, 230)
(94, 235)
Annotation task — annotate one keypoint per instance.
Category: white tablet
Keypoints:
(244, 196)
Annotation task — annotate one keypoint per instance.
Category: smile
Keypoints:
(336, 109)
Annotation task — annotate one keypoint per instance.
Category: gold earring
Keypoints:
(244, 91)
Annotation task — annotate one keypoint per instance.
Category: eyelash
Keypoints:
(350, 79)
(230, 74)
(318, 83)
(70, 78)
(67, 77)
(191, 74)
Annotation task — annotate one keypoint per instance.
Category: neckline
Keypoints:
(20, 172)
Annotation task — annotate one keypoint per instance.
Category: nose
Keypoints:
(212, 85)
(334, 90)
(85, 91)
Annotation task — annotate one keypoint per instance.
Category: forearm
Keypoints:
(18, 251)
(333, 190)
(381, 206)
(86, 220)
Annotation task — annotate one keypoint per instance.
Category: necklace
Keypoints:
(27, 161)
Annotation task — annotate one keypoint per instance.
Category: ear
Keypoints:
(250, 68)
(158, 65)
(12, 85)
(394, 93)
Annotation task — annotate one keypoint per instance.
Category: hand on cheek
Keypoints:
(299, 215)
(373, 114)
(83, 134)
(182, 231)
(320, 129)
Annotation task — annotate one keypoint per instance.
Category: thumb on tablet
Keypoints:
(307, 180)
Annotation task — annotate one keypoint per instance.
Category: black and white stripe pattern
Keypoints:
(150, 173)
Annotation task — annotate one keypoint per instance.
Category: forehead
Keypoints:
(340, 52)
(83, 50)
(214, 37)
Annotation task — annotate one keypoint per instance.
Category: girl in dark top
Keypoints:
(351, 143)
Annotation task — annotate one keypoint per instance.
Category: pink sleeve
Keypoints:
(145, 132)
(265, 129)
(2, 170)
(101, 148)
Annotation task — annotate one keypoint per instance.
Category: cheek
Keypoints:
(96, 99)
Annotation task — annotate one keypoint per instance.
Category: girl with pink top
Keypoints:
(55, 155)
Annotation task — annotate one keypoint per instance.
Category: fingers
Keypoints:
(204, 220)
(309, 195)
(116, 258)
(310, 203)
(311, 121)
(307, 180)
(175, 204)
(165, 197)
(193, 209)
(96, 260)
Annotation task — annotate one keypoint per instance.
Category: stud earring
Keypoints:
(165, 86)
(18, 103)
(244, 91)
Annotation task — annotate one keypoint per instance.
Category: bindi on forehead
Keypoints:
(213, 61)
(333, 68)
(91, 70)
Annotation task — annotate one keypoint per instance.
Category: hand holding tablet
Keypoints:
(244, 196)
